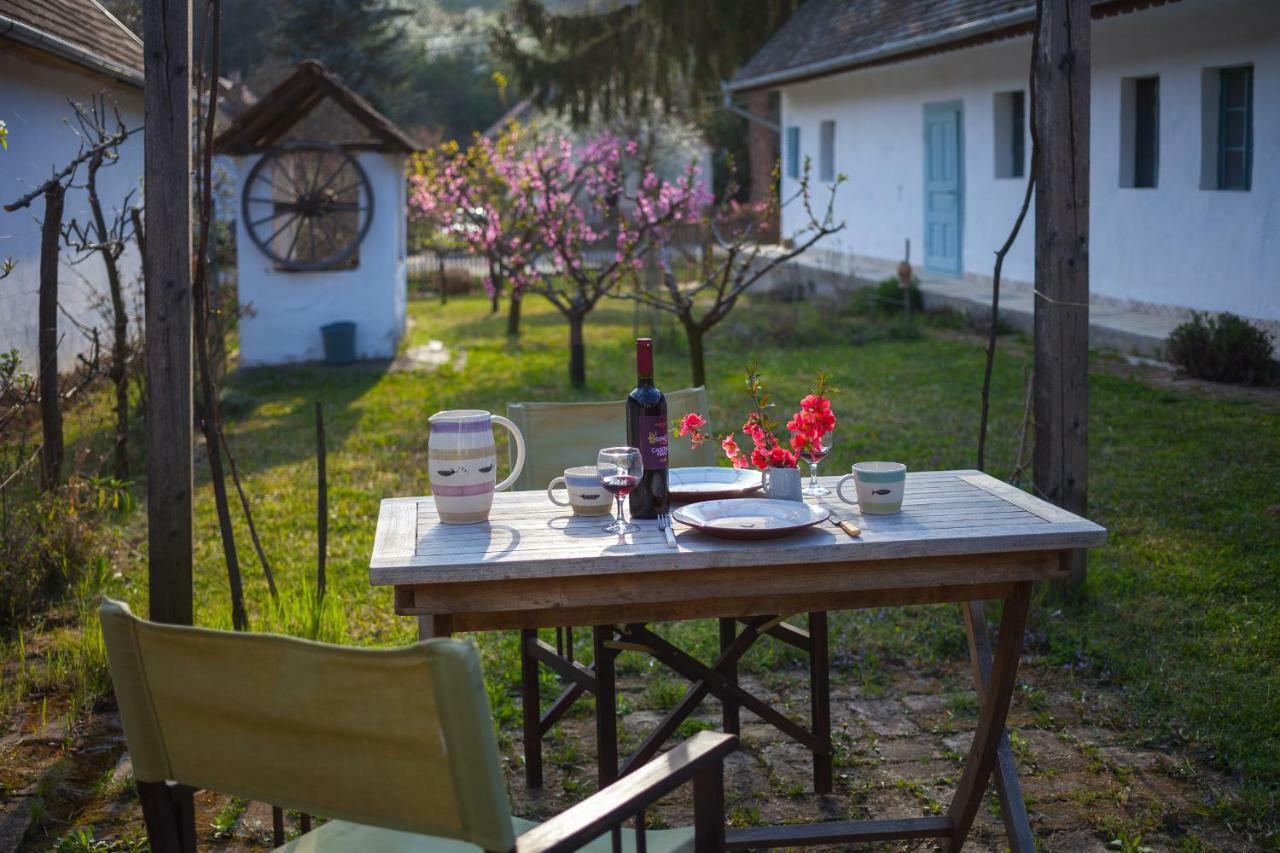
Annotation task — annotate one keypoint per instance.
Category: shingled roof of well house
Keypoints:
(83, 24)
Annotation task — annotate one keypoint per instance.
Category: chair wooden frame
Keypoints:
(170, 818)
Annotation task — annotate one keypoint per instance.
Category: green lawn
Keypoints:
(1182, 602)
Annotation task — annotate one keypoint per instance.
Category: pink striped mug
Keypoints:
(462, 459)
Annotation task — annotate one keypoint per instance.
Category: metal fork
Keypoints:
(664, 524)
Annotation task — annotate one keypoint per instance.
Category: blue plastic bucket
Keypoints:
(339, 342)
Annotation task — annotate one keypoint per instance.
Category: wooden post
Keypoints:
(1062, 262)
(322, 505)
(166, 267)
(50, 393)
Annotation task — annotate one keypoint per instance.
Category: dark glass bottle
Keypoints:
(647, 430)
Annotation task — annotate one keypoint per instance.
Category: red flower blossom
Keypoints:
(760, 458)
(691, 423)
(779, 458)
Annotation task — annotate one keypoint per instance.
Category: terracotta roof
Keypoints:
(291, 103)
(81, 31)
(830, 36)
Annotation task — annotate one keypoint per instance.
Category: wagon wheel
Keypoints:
(308, 205)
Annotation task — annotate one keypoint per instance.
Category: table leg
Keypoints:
(820, 699)
(991, 720)
(1012, 808)
(531, 702)
(430, 627)
(606, 706)
(728, 633)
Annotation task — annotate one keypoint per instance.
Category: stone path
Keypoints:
(899, 749)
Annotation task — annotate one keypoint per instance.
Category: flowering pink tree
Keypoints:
(463, 195)
(569, 221)
(593, 226)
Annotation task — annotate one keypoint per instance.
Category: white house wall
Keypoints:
(42, 139)
(1174, 245)
(285, 310)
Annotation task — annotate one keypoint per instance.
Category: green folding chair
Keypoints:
(395, 746)
(561, 435)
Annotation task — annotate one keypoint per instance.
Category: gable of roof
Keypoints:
(310, 87)
(827, 37)
(79, 31)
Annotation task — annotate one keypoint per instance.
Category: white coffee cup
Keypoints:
(586, 495)
(879, 486)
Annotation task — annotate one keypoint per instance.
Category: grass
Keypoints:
(1181, 603)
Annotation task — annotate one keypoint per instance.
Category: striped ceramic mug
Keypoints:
(462, 460)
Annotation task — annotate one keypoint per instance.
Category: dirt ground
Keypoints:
(899, 752)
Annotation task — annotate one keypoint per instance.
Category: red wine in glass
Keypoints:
(620, 470)
(813, 455)
(620, 485)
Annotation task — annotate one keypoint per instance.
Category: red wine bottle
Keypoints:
(647, 430)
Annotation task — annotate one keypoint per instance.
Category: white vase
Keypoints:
(782, 484)
(462, 460)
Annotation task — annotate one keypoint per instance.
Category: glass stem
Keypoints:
(620, 519)
(813, 476)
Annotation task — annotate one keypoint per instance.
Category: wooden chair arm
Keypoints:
(701, 756)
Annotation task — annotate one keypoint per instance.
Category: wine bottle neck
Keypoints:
(644, 361)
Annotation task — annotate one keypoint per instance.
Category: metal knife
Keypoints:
(848, 527)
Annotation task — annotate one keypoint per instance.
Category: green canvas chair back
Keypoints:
(396, 738)
(560, 435)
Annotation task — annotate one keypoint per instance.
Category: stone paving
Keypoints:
(899, 751)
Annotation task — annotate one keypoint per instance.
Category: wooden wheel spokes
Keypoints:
(308, 206)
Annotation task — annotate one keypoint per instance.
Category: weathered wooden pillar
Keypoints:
(1061, 456)
(50, 391)
(166, 265)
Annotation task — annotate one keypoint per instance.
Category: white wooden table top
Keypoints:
(944, 513)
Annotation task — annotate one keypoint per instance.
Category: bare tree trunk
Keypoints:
(322, 504)
(119, 371)
(693, 332)
(210, 421)
(760, 147)
(513, 314)
(577, 351)
(50, 394)
(1061, 455)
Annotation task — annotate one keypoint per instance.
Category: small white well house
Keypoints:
(320, 224)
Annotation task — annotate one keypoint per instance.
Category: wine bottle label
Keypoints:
(653, 441)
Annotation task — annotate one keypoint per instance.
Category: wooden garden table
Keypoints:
(962, 536)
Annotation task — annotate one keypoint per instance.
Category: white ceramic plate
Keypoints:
(750, 518)
(705, 484)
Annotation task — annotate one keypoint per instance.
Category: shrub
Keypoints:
(886, 298)
(49, 539)
(1222, 348)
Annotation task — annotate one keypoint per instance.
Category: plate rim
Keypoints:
(819, 514)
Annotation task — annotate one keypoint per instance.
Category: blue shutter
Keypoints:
(793, 152)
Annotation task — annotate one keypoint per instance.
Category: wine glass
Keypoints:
(813, 453)
(619, 470)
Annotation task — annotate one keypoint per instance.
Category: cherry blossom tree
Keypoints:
(463, 195)
(567, 220)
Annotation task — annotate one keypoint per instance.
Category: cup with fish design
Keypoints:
(585, 494)
(878, 485)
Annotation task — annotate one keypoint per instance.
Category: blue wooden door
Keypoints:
(943, 187)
